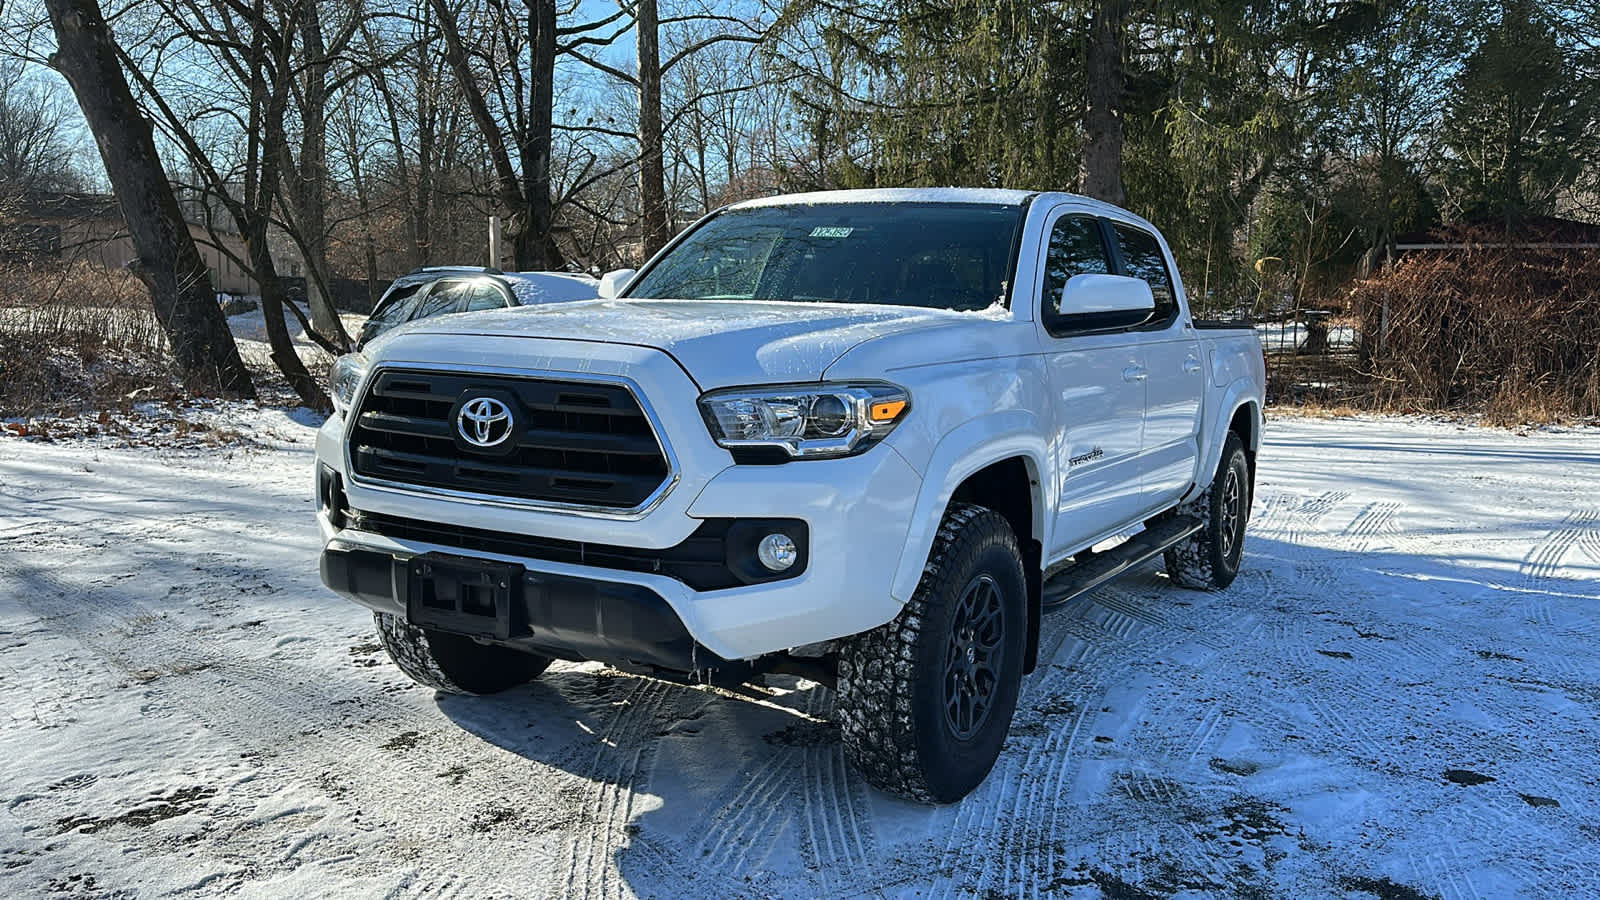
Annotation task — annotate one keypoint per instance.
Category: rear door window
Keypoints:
(482, 295)
(1142, 258)
(444, 297)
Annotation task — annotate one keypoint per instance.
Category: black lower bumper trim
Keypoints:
(562, 617)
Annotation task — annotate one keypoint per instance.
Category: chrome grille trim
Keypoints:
(668, 483)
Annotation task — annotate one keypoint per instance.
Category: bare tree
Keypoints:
(35, 152)
(651, 70)
(168, 262)
(519, 139)
(247, 100)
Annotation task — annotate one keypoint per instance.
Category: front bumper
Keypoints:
(560, 616)
(857, 511)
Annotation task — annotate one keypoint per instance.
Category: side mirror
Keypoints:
(612, 283)
(1105, 301)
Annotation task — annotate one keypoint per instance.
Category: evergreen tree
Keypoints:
(1521, 120)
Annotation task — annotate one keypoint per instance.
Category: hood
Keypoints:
(720, 343)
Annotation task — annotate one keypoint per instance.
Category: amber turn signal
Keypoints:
(887, 410)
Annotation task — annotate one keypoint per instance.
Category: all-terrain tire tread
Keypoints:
(1191, 563)
(413, 652)
(877, 668)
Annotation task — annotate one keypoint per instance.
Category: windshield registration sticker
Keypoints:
(833, 232)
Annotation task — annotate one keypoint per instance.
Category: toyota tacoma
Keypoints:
(865, 437)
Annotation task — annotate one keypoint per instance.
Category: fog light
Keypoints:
(777, 552)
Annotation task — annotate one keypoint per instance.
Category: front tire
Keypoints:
(453, 663)
(1209, 559)
(926, 700)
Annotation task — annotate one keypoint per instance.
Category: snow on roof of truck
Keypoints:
(894, 195)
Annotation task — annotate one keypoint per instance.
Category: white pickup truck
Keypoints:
(866, 437)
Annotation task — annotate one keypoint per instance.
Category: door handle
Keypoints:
(1191, 365)
(1134, 373)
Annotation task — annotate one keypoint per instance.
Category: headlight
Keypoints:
(774, 424)
(345, 379)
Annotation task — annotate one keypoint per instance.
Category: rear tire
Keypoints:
(926, 700)
(453, 663)
(1209, 559)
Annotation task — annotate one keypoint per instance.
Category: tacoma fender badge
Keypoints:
(1082, 458)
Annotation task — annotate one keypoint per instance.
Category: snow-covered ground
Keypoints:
(1400, 696)
(1286, 337)
(250, 332)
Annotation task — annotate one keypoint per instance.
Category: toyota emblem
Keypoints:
(484, 422)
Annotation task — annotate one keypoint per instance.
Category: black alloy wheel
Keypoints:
(1231, 512)
(975, 656)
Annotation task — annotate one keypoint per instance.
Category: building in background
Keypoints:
(71, 227)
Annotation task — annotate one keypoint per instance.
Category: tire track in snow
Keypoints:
(1066, 754)
(251, 710)
(1002, 818)
(1542, 563)
(1272, 510)
(738, 812)
(1373, 522)
(253, 690)
(833, 799)
(613, 773)
(1289, 515)
(1590, 542)
(981, 824)
(1189, 842)
(1544, 560)
(1291, 521)
(1120, 601)
(1006, 818)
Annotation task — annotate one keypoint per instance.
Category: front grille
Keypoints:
(578, 443)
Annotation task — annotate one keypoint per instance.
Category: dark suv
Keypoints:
(442, 290)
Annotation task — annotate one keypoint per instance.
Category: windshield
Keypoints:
(941, 256)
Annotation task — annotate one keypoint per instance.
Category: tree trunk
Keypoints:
(262, 188)
(168, 262)
(358, 180)
(312, 182)
(535, 244)
(526, 196)
(415, 202)
(652, 175)
(1104, 95)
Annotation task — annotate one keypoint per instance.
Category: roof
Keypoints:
(548, 287)
(54, 205)
(529, 287)
(454, 270)
(573, 277)
(945, 195)
(895, 195)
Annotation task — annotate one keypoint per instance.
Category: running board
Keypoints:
(1081, 576)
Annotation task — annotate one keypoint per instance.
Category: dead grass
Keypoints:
(74, 284)
(1512, 333)
(80, 337)
(76, 337)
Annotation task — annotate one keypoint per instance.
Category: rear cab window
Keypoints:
(483, 295)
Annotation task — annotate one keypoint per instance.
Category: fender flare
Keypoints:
(967, 449)
(1242, 392)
